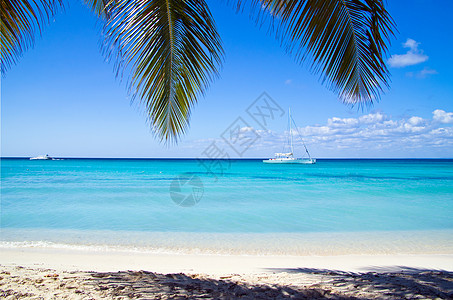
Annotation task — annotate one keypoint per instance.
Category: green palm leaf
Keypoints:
(173, 50)
(100, 7)
(345, 39)
(19, 22)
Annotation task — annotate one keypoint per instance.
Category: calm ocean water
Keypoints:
(174, 204)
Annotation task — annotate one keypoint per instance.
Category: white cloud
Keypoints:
(442, 116)
(288, 81)
(412, 57)
(337, 122)
(374, 134)
(415, 121)
(378, 131)
(371, 118)
(246, 129)
(410, 43)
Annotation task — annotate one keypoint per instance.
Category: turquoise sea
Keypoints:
(229, 206)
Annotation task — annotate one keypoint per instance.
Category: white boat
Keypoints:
(288, 157)
(41, 157)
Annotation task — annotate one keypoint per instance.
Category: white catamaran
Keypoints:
(288, 158)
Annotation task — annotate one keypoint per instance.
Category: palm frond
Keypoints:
(100, 7)
(345, 39)
(173, 50)
(20, 21)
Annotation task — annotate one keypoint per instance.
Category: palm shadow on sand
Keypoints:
(395, 282)
(401, 283)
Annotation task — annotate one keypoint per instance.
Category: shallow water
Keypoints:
(246, 202)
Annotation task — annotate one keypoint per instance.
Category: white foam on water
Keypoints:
(299, 244)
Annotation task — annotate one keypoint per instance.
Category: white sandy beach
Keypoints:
(77, 274)
(107, 261)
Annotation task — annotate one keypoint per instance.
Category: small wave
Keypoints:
(322, 244)
(91, 248)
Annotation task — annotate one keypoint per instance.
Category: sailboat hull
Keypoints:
(290, 161)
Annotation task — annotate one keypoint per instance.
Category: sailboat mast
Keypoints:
(306, 149)
(290, 127)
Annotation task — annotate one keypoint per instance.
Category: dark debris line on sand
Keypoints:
(23, 283)
(150, 285)
(333, 285)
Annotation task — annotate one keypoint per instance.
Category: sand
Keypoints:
(41, 273)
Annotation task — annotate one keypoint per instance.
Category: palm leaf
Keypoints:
(100, 7)
(19, 23)
(345, 39)
(173, 50)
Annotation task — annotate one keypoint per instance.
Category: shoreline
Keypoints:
(252, 244)
(380, 265)
(213, 264)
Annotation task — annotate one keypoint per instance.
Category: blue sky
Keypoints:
(62, 98)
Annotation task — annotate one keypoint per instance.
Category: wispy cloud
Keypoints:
(412, 57)
(288, 81)
(427, 71)
(423, 73)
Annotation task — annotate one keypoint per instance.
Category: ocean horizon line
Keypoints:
(232, 158)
